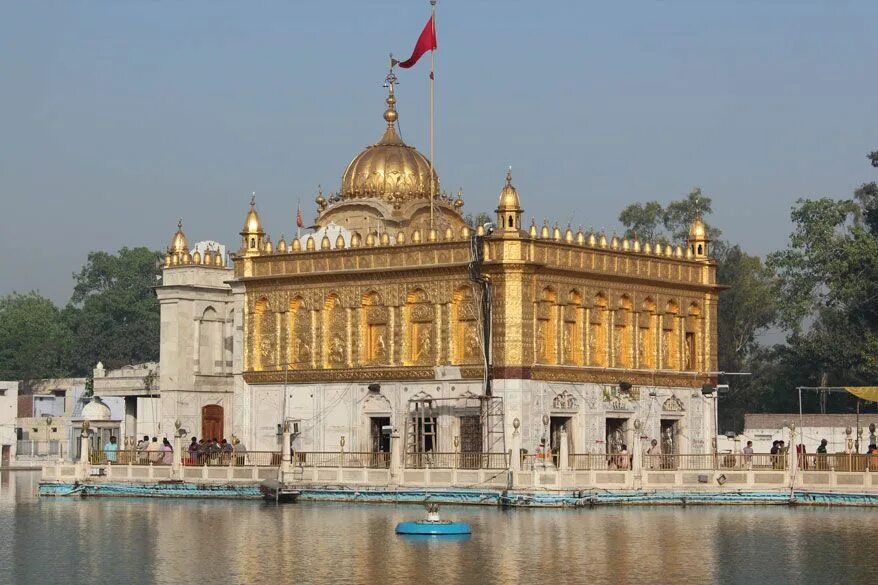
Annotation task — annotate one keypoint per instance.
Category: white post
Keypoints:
(395, 457)
(563, 452)
(637, 456)
(177, 460)
(793, 457)
(515, 463)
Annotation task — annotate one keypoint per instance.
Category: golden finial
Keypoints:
(390, 114)
(509, 175)
(253, 199)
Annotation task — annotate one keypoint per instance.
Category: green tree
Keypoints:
(873, 156)
(481, 218)
(34, 340)
(643, 221)
(114, 313)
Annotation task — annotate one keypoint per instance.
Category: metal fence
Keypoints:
(40, 449)
(838, 462)
(711, 461)
(600, 461)
(433, 460)
(378, 459)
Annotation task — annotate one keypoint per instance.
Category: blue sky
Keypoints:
(120, 117)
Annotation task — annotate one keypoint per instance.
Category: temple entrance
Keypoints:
(556, 425)
(212, 422)
(380, 438)
(669, 436)
(616, 429)
(470, 441)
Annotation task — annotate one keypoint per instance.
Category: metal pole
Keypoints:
(801, 416)
(432, 70)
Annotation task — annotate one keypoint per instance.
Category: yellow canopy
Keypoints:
(869, 393)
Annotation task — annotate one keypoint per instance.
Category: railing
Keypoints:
(531, 461)
(373, 460)
(27, 449)
(838, 462)
(434, 460)
(600, 461)
(710, 461)
(133, 457)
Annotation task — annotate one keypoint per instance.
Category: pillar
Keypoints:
(395, 457)
(177, 460)
(563, 452)
(286, 455)
(130, 418)
(515, 463)
(637, 455)
(84, 446)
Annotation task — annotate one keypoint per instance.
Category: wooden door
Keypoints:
(212, 422)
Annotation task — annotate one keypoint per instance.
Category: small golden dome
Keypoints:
(637, 246)
(509, 200)
(626, 245)
(309, 244)
(432, 235)
(196, 257)
(556, 233)
(325, 243)
(658, 249)
(167, 261)
(678, 252)
(592, 241)
(179, 243)
(533, 229)
(400, 237)
(603, 241)
(614, 243)
(218, 259)
(185, 258)
(689, 253)
(389, 170)
(297, 245)
(580, 237)
(480, 230)
(339, 242)
(669, 250)
(464, 232)
(697, 231)
(356, 240)
(568, 235)
(385, 239)
(449, 234)
(370, 239)
(544, 231)
(416, 237)
(268, 247)
(252, 224)
(281, 246)
(647, 248)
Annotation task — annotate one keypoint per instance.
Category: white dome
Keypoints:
(96, 410)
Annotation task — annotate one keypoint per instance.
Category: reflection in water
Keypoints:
(108, 540)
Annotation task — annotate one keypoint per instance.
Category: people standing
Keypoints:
(821, 455)
(193, 452)
(167, 452)
(142, 446)
(154, 451)
(748, 454)
(654, 453)
(110, 450)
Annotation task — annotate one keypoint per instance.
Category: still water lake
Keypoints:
(104, 540)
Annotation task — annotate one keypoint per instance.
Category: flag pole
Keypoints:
(432, 69)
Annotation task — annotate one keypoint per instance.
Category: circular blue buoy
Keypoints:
(429, 528)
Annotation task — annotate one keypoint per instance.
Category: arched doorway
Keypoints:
(212, 421)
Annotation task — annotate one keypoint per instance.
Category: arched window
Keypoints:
(546, 327)
(671, 337)
(692, 341)
(373, 324)
(571, 340)
(334, 333)
(466, 337)
(597, 338)
(263, 336)
(646, 331)
(209, 348)
(420, 338)
(299, 343)
(622, 338)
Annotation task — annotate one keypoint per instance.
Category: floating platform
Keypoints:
(440, 528)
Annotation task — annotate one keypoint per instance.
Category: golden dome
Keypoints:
(697, 231)
(179, 243)
(389, 170)
(252, 225)
(509, 200)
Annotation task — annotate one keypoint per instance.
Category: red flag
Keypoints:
(426, 42)
(299, 222)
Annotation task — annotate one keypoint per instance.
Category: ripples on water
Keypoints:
(69, 540)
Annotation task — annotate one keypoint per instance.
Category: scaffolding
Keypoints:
(421, 429)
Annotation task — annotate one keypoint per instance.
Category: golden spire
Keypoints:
(179, 243)
(251, 235)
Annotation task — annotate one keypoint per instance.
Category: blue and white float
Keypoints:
(432, 525)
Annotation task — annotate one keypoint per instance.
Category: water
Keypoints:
(103, 540)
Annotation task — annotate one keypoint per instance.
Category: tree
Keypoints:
(481, 218)
(34, 340)
(873, 156)
(114, 313)
(643, 221)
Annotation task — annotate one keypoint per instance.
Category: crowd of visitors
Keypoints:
(204, 452)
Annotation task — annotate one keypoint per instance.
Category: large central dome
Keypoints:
(389, 170)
